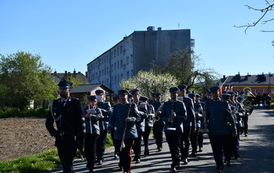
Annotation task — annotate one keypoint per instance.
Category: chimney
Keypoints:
(159, 29)
(150, 28)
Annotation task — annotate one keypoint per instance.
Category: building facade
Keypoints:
(134, 53)
(257, 84)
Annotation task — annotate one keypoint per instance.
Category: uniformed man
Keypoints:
(158, 125)
(142, 109)
(148, 123)
(189, 123)
(173, 113)
(68, 115)
(198, 109)
(221, 127)
(124, 118)
(105, 106)
(92, 116)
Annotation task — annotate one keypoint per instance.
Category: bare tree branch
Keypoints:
(269, 7)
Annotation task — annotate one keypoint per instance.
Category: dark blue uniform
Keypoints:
(103, 123)
(69, 119)
(173, 130)
(221, 125)
(91, 136)
(158, 126)
(189, 123)
(124, 131)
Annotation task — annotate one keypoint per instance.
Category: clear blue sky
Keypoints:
(69, 34)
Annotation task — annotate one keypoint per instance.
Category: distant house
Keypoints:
(85, 90)
(261, 83)
(58, 76)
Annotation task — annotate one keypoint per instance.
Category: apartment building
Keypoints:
(134, 53)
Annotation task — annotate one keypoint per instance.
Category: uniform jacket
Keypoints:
(191, 120)
(156, 106)
(92, 123)
(198, 108)
(219, 118)
(69, 119)
(179, 108)
(118, 117)
(106, 110)
(149, 116)
(142, 108)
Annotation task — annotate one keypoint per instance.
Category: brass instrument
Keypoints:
(157, 112)
(248, 102)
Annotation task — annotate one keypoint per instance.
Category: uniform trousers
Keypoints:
(137, 146)
(66, 147)
(125, 154)
(145, 138)
(101, 142)
(173, 139)
(221, 145)
(194, 140)
(158, 135)
(185, 142)
(90, 149)
(200, 139)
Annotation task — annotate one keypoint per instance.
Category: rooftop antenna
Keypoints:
(178, 25)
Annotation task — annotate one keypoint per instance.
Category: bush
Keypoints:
(39, 113)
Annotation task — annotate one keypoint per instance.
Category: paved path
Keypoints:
(256, 150)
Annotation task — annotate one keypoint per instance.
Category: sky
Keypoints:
(69, 34)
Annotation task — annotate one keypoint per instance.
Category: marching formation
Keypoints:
(184, 119)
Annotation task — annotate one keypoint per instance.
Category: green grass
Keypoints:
(41, 162)
(33, 163)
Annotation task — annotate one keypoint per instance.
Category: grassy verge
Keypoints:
(34, 163)
(41, 162)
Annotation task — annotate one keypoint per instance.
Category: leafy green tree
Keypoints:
(24, 78)
(150, 82)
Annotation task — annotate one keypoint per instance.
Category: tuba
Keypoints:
(248, 102)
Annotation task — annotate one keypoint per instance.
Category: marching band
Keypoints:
(184, 119)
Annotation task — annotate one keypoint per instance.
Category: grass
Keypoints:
(41, 162)
(33, 163)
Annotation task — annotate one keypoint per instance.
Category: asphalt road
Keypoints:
(256, 153)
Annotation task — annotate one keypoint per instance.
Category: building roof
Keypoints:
(253, 80)
(90, 87)
(58, 76)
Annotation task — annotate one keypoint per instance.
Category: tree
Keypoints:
(179, 64)
(24, 78)
(264, 11)
(150, 82)
(186, 67)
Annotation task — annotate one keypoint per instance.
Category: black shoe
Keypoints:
(185, 161)
(116, 156)
(146, 153)
(100, 162)
(246, 134)
(173, 170)
(236, 156)
(138, 161)
(193, 155)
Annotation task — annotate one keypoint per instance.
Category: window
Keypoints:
(127, 60)
(127, 74)
(121, 63)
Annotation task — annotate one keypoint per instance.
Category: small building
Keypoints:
(85, 90)
(262, 83)
(59, 76)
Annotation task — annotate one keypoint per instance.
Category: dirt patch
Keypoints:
(23, 136)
